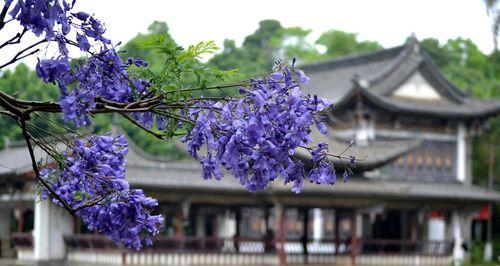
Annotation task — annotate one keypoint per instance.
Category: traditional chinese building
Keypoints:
(411, 200)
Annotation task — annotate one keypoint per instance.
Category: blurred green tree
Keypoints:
(339, 43)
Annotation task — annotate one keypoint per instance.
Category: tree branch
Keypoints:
(21, 54)
(3, 13)
(156, 135)
(16, 39)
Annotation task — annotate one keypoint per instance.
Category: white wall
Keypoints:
(417, 87)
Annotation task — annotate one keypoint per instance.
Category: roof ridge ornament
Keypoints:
(364, 83)
(358, 80)
(414, 43)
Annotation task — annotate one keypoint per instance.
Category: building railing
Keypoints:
(22, 240)
(178, 244)
(404, 247)
(245, 245)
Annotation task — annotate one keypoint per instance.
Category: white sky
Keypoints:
(388, 22)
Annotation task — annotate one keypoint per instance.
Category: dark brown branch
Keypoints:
(14, 40)
(339, 156)
(8, 106)
(94, 202)
(3, 13)
(21, 54)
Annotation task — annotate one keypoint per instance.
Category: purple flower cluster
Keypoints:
(54, 20)
(103, 74)
(41, 16)
(255, 137)
(93, 183)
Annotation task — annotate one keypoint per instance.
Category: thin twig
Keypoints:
(16, 39)
(157, 135)
(37, 173)
(3, 13)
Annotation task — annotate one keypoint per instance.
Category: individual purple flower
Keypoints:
(83, 42)
(302, 76)
(321, 127)
(81, 15)
(136, 61)
(352, 160)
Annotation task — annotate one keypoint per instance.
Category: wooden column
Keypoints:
(179, 229)
(354, 238)
(215, 224)
(359, 108)
(20, 221)
(282, 233)
(5, 232)
(414, 229)
(488, 248)
(266, 218)
(304, 235)
(238, 232)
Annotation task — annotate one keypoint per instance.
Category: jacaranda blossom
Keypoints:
(255, 137)
(93, 182)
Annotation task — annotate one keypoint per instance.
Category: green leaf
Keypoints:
(196, 51)
(151, 40)
(78, 195)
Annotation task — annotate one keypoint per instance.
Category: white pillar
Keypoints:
(51, 224)
(226, 225)
(437, 229)
(317, 224)
(458, 252)
(488, 252)
(461, 152)
(359, 225)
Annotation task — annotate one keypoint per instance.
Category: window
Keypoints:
(432, 161)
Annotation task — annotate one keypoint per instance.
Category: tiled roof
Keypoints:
(152, 172)
(376, 75)
(187, 178)
(332, 78)
(15, 160)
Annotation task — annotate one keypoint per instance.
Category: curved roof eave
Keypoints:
(464, 111)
